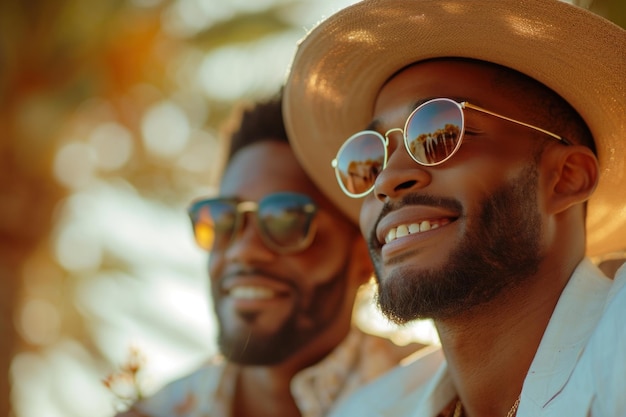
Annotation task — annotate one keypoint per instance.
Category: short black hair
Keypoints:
(258, 122)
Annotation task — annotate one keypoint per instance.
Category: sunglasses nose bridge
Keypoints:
(394, 139)
(393, 130)
(402, 174)
(247, 206)
(247, 240)
(243, 209)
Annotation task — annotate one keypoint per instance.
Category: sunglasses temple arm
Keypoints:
(480, 109)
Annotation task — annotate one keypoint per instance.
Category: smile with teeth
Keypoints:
(251, 292)
(413, 228)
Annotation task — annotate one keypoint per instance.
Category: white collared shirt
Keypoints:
(579, 369)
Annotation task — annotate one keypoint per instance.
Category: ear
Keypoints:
(575, 177)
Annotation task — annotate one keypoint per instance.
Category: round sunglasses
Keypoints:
(284, 220)
(432, 134)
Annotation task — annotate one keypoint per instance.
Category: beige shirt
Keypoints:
(208, 392)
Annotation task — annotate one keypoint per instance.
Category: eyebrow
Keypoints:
(376, 123)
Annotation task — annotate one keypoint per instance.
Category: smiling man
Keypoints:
(285, 267)
(496, 133)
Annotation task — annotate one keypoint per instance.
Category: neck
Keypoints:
(490, 348)
(264, 391)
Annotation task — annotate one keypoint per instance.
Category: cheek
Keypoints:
(325, 301)
(215, 265)
(326, 289)
(325, 258)
(473, 179)
(326, 268)
(370, 210)
(329, 253)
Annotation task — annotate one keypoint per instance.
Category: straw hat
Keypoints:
(340, 66)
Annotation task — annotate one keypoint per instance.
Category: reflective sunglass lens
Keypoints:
(213, 223)
(433, 131)
(285, 219)
(205, 235)
(359, 162)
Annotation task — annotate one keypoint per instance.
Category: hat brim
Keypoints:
(340, 66)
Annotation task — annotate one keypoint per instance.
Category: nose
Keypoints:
(402, 175)
(247, 246)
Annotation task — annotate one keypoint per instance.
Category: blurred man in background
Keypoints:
(285, 267)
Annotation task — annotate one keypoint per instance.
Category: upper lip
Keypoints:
(411, 214)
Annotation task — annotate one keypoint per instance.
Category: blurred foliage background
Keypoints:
(110, 113)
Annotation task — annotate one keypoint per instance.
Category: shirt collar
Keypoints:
(576, 314)
(317, 387)
(358, 359)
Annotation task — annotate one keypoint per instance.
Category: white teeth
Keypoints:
(251, 293)
(404, 230)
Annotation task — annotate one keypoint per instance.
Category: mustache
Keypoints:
(412, 200)
(242, 271)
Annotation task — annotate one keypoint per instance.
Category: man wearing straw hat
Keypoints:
(493, 138)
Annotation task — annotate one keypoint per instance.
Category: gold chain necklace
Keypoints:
(458, 408)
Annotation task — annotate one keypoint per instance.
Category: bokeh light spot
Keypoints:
(165, 129)
(39, 322)
(76, 250)
(113, 145)
(74, 164)
(253, 69)
(203, 154)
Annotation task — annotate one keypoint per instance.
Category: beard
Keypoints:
(250, 348)
(499, 251)
(309, 319)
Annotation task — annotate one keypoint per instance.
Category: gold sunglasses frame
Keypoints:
(385, 138)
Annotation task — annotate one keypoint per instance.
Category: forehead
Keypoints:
(264, 168)
(479, 82)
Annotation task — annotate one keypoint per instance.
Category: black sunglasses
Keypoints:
(284, 220)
